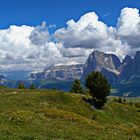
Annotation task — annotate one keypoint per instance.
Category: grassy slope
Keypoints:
(56, 115)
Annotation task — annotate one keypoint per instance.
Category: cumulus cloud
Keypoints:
(86, 33)
(40, 35)
(91, 33)
(14, 44)
(34, 48)
(27, 48)
(128, 28)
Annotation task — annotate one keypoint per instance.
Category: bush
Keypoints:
(62, 114)
(124, 100)
(32, 86)
(120, 100)
(20, 116)
(115, 99)
(99, 88)
(21, 86)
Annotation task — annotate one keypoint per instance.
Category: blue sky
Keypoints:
(82, 26)
(33, 12)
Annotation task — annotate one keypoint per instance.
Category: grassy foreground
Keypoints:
(54, 115)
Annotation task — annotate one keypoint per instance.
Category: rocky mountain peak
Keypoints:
(105, 63)
(110, 66)
(127, 59)
(137, 55)
(136, 64)
(59, 72)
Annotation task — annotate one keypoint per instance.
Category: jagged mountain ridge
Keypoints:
(111, 67)
(59, 72)
(107, 64)
(123, 76)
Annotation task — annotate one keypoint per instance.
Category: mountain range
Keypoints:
(59, 72)
(122, 75)
(111, 66)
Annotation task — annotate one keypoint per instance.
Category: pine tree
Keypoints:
(99, 88)
(21, 86)
(76, 87)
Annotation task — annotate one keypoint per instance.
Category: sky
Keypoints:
(58, 12)
(35, 34)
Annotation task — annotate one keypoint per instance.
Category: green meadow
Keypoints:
(56, 115)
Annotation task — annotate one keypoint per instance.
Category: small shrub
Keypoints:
(137, 104)
(21, 86)
(131, 103)
(32, 86)
(65, 115)
(120, 100)
(124, 100)
(115, 99)
(94, 116)
(20, 116)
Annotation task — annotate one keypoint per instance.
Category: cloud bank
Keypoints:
(34, 48)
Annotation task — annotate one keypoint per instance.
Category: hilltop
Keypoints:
(50, 114)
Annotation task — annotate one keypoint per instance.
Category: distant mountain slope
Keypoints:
(16, 75)
(3, 80)
(7, 82)
(56, 77)
(59, 72)
(130, 88)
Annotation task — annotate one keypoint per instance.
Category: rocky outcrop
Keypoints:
(107, 64)
(60, 72)
(111, 67)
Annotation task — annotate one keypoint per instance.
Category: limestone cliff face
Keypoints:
(111, 67)
(107, 64)
(60, 72)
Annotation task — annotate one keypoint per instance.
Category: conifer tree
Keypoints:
(99, 88)
(21, 86)
(76, 87)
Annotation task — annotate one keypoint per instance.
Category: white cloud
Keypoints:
(33, 48)
(14, 44)
(86, 33)
(128, 28)
(40, 35)
(27, 48)
(90, 33)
